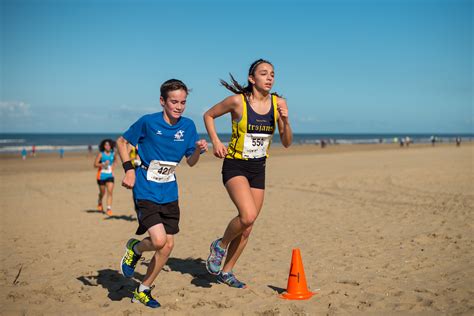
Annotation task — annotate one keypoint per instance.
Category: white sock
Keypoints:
(136, 250)
(142, 288)
(109, 207)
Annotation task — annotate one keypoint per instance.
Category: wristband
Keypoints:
(127, 165)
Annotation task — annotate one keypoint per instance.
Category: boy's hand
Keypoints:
(129, 179)
(201, 145)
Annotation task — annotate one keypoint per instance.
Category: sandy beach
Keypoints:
(381, 229)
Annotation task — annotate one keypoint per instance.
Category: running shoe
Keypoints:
(145, 298)
(230, 279)
(109, 212)
(130, 259)
(214, 261)
(100, 208)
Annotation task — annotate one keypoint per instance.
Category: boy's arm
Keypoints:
(201, 147)
(129, 178)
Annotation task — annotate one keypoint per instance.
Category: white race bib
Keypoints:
(106, 170)
(161, 171)
(256, 145)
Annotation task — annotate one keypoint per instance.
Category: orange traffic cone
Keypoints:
(297, 288)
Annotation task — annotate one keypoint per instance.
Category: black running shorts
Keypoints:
(150, 214)
(103, 182)
(253, 170)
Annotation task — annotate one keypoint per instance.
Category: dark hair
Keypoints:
(235, 87)
(108, 140)
(172, 85)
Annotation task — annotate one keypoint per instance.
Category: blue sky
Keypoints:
(344, 66)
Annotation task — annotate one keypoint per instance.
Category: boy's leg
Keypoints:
(158, 238)
(136, 248)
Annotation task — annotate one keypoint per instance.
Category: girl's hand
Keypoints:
(283, 111)
(220, 151)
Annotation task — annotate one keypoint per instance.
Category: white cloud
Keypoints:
(14, 109)
(128, 111)
(305, 119)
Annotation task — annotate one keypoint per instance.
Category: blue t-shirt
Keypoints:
(158, 140)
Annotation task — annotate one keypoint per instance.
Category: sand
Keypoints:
(381, 229)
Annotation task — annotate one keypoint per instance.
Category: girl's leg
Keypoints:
(110, 189)
(241, 194)
(238, 244)
(101, 196)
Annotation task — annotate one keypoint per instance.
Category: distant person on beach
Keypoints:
(61, 152)
(407, 141)
(255, 112)
(104, 161)
(89, 149)
(458, 141)
(433, 140)
(163, 139)
(33, 151)
(23, 154)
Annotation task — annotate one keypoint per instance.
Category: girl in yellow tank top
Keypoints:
(255, 112)
(252, 134)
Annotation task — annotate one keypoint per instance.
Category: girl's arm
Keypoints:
(286, 135)
(97, 163)
(230, 104)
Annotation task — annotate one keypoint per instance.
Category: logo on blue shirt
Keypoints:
(179, 136)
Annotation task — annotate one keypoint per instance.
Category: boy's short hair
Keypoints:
(172, 85)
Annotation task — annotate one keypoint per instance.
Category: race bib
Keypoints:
(106, 170)
(256, 145)
(161, 171)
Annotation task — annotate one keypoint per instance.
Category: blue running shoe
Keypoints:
(145, 298)
(230, 279)
(130, 259)
(214, 261)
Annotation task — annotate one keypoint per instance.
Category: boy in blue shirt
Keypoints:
(163, 139)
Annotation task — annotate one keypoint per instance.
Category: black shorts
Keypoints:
(103, 182)
(253, 170)
(150, 214)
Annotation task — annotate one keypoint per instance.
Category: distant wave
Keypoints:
(80, 142)
(45, 148)
(12, 140)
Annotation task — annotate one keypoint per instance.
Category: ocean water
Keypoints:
(10, 143)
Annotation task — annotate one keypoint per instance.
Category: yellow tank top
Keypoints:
(253, 133)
